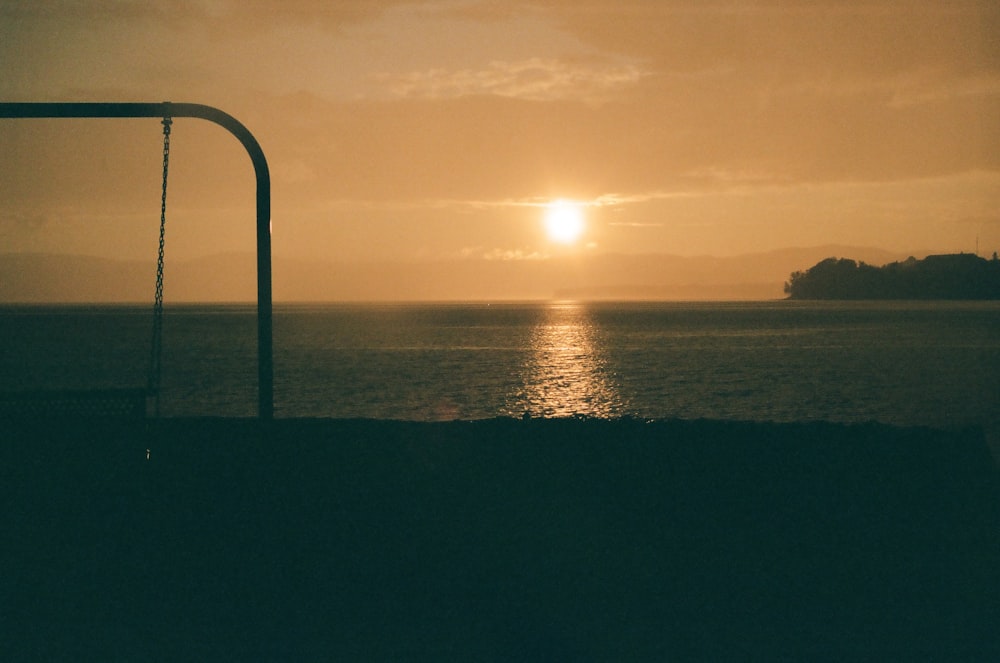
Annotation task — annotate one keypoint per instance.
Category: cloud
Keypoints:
(783, 36)
(532, 78)
(92, 10)
(239, 12)
(932, 87)
(454, 109)
(514, 254)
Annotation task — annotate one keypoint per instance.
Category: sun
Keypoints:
(564, 221)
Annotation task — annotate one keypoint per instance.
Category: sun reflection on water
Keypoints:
(566, 372)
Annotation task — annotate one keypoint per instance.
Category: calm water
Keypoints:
(907, 363)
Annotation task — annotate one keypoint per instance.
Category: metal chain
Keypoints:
(157, 343)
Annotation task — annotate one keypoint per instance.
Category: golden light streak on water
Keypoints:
(566, 373)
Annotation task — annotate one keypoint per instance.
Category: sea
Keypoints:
(907, 363)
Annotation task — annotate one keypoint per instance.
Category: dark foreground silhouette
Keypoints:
(496, 540)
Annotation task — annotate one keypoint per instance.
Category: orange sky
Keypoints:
(419, 130)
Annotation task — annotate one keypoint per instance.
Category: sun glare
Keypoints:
(564, 221)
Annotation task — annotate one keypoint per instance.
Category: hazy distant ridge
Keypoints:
(41, 278)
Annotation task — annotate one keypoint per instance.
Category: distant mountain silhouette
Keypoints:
(231, 277)
(953, 276)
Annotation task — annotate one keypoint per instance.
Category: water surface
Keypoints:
(924, 363)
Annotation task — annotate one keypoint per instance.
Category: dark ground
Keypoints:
(541, 540)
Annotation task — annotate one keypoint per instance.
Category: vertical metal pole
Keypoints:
(265, 359)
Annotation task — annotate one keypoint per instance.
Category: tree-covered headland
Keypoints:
(952, 276)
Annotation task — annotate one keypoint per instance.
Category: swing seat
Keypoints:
(105, 403)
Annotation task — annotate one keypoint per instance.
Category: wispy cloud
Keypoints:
(513, 254)
(611, 200)
(927, 87)
(532, 78)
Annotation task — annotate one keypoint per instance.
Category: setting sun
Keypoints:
(564, 221)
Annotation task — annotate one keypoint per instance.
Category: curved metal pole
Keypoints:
(265, 361)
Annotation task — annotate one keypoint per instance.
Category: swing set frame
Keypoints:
(166, 109)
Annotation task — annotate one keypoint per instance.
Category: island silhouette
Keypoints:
(951, 276)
